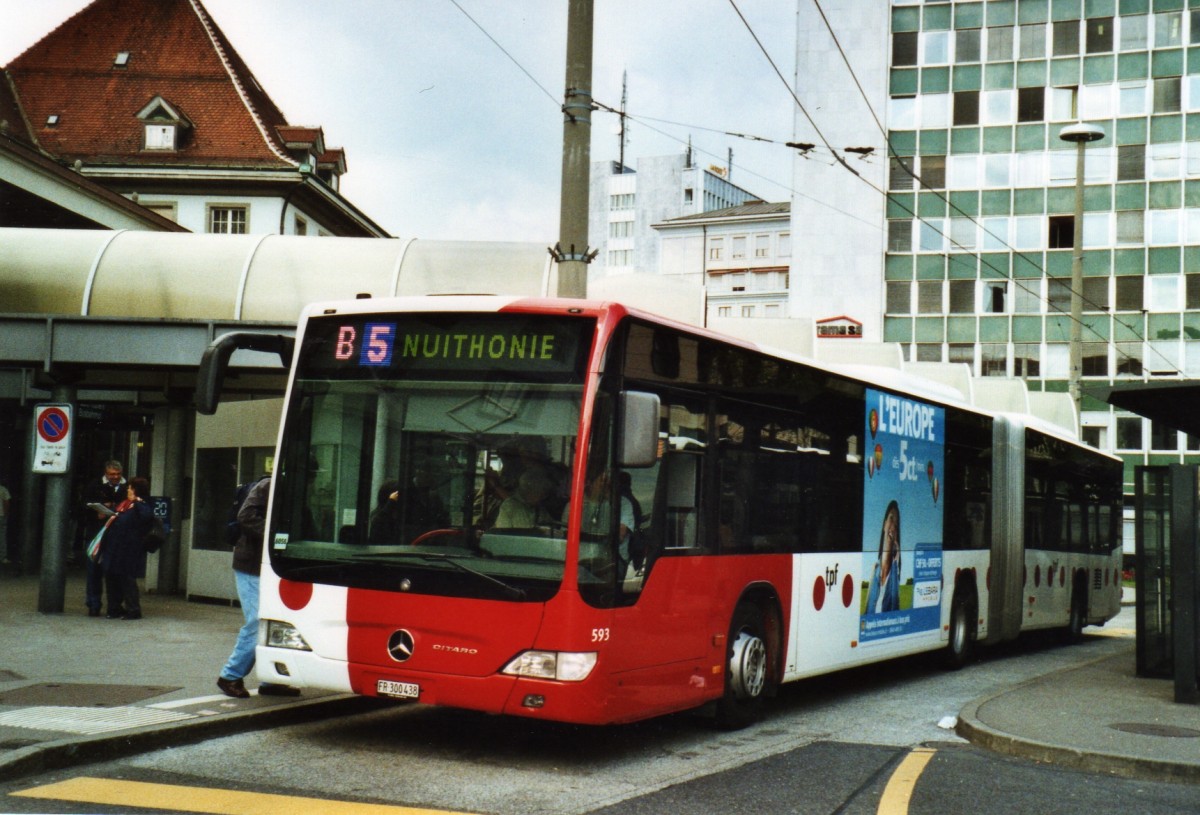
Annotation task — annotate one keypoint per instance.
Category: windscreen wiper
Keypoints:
(510, 591)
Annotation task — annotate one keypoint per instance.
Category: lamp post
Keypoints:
(1080, 134)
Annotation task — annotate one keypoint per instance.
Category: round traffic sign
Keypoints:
(53, 425)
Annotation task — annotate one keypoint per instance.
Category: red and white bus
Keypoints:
(575, 511)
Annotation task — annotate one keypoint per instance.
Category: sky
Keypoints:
(449, 138)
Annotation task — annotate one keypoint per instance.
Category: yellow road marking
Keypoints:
(1120, 633)
(209, 801)
(898, 791)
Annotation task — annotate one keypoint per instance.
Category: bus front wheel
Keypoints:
(748, 670)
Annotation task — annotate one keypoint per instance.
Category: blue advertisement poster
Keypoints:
(902, 517)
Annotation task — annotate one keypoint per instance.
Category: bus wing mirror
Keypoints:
(639, 429)
(215, 362)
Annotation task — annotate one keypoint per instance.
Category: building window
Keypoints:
(1129, 292)
(1099, 35)
(620, 202)
(1168, 29)
(1131, 162)
(1134, 32)
(966, 45)
(1095, 294)
(995, 298)
(1066, 38)
(785, 244)
(620, 229)
(1064, 103)
(899, 297)
(1163, 437)
(929, 297)
(716, 248)
(900, 235)
(966, 107)
(762, 246)
(1033, 41)
(1058, 295)
(1191, 291)
(1095, 359)
(1061, 232)
(227, 220)
(1094, 436)
(620, 257)
(1129, 359)
(961, 352)
(121, 60)
(1031, 104)
(1168, 95)
(962, 296)
(688, 195)
(301, 226)
(933, 172)
(738, 248)
(1129, 432)
(1028, 298)
(1027, 359)
(900, 174)
(993, 359)
(1131, 98)
(929, 352)
(160, 137)
(747, 311)
(1000, 43)
(904, 48)
(723, 311)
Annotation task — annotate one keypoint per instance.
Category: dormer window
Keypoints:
(163, 124)
(121, 60)
(52, 120)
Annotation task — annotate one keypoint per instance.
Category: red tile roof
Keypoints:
(177, 52)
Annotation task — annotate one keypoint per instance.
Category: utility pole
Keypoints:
(571, 251)
(622, 128)
(1079, 134)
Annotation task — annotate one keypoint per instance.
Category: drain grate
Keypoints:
(87, 721)
(80, 695)
(1161, 730)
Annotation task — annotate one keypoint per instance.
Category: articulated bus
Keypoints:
(576, 511)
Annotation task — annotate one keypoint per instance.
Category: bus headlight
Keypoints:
(565, 666)
(285, 635)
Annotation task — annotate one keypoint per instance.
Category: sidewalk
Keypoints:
(75, 689)
(1098, 717)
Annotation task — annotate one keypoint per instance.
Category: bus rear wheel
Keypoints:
(748, 674)
(960, 650)
(1076, 620)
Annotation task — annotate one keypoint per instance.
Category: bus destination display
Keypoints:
(492, 343)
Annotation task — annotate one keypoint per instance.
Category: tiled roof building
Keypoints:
(149, 97)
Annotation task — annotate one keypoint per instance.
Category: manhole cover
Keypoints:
(1163, 730)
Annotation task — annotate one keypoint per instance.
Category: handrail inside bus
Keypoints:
(215, 362)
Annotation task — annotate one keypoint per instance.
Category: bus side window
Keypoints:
(682, 471)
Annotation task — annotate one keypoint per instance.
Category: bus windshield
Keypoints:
(436, 465)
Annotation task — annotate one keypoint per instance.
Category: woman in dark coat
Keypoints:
(123, 551)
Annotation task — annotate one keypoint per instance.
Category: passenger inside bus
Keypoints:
(526, 508)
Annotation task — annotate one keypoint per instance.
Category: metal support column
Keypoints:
(56, 536)
(169, 556)
(1184, 543)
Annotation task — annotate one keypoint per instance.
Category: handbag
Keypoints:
(93, 548)
(156, 536)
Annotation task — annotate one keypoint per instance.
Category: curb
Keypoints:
(972, 728)
(71, 752)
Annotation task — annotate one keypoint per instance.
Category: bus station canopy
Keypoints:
(1175, 403)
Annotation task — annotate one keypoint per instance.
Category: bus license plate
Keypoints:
(397, 690)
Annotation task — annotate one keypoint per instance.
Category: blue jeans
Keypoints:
(94, 592)
(241, 661)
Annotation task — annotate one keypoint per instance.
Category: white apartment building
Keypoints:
(625, 203)
(741, 255)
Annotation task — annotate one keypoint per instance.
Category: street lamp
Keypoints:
(1080, 134)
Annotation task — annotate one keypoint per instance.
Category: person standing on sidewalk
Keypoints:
(108, 491)
(247, 561)
(123, 551)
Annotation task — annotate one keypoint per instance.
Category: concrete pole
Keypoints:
(1076, 348)
(1080, 134)
(173, 487)
(572, 251)
(56, 536)
(31, 501)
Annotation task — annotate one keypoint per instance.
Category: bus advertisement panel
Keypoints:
(902, 517)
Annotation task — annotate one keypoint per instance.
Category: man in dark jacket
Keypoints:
(247, 561)
(108, 491)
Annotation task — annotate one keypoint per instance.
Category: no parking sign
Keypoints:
(52, 426)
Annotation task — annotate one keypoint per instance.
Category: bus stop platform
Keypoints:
(76, 689)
